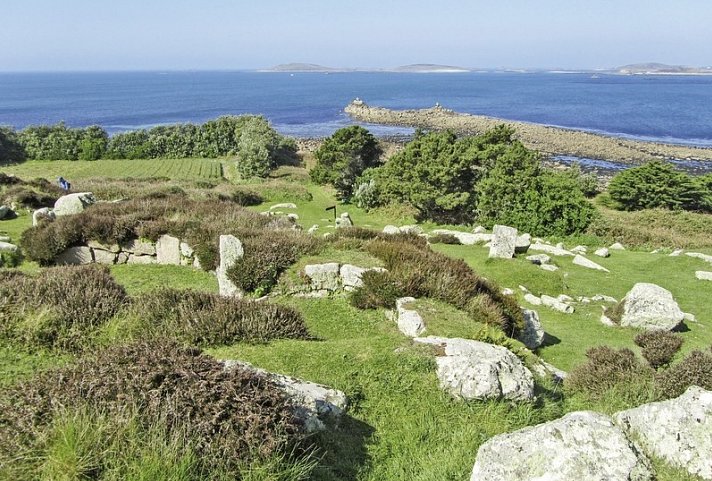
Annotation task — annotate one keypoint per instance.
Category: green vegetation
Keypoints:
(343, 157)
(657, 184)
(490, 179)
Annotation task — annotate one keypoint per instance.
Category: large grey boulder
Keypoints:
(324, 277)
(45, 213)
(651, 307)
(475, 370)
(532, 335)
(679, 431)
(580, 260)
(409, 321)
(168, 250)
(75, 256)
(231, 251)
(315, 403)
(73, 203)
(581, 446)
(504, 240)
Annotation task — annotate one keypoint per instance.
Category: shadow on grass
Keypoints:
(342, 449)
(550, 340)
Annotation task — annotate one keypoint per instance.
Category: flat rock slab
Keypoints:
(698, 255)
(409, 321)
(75, 256)
(580, 260)
(475, 370)
(325, 277)
(549, 249)
(315, 403)
(651, 307)
(679, 431)
(581, 446)
(168, 250)
(703, 275)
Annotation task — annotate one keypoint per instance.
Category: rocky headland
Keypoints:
(546, 139)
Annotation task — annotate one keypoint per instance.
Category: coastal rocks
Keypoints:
(45, 213)
(475, 370)
(231, 251)
(344, 220)
(75, 256)
(580, 446)
(73, 203)
(602, 252)
(168, 250)
(580, 260)
(549, 249)
(316, 404)
(504, 241)
(679, 431)
(409, 321)
(703, 275)
(465, 238)
(650, 307)
(532, 335)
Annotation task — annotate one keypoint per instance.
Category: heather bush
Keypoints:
(32, 194)
(605, 369)
(379, 289)
(206, 319)
(61, 307)
(231, 418)
(658, 347)
(694, 370)
(444, 239)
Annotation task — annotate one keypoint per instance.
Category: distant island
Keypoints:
(414, 68)
(661, 69)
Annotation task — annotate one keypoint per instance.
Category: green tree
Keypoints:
(658, 184)
(10, 148)
(93, 144)
(256, 148)
(343, 157)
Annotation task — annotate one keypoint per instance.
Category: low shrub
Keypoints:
(605, 369)
(444, 239)
(33, 195)
(694, 370)
(658, 347)
(230, 417)
(62, 307)
(379, 289)
(205, 319)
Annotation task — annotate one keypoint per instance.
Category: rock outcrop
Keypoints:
(650, 307)
(581, 446)
(475, 370)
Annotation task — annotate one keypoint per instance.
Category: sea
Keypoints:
(675, 109)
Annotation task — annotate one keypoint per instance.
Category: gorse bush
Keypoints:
(605, 369)
(658, 347)
(657, 184)
(230, 417)
(205, 319)
(61, 307)
(694, 370)
(343, 157)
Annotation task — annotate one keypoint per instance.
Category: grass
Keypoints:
(401, 426)
(206, 169)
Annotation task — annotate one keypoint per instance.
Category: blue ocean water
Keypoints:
(669, 108)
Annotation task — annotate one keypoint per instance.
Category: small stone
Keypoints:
(8, 247)
(344, 220)
(549, 267)
(703, 275)
(4, 211)
(698, 255)
(580, 260)
(689, 317)
(409, 321)
(565, 298)
(604, 298)
(602, 252)
(676, 253)
(73, 203)
(391, 229)
(507, 292)
(313, 229)
(539, 259)
(45, 213)
(617, 247)
(523, 288)
(286, 205)
(580, 249)
(556, 304)
(532, 299)
(411, 229)
(549, 249)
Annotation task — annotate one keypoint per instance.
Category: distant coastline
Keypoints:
(555, 141)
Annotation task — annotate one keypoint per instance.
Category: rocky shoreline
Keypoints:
(548, 140)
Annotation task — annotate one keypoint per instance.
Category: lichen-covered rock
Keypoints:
(168, 250)
(45, 213)
(351, 276)
(104, 257)
(532, 335)
(617, 247)
(411, 229)
(75, 256)
(141, 260)
(580, 260)
(140, 247)
(549, 249)
(651, 307)
(504, 240)
(539, 259)
(581, 446)
(73, 203)
(556, 304)
(678, 431)
(409, 321)
(391, 229)
(475, 370)
(231, 251)
(315, 403)
(324, 277)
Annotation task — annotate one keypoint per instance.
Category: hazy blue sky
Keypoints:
(222, 34)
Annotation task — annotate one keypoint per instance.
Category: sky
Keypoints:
(51, 35)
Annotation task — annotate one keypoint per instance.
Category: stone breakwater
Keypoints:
(545, 139)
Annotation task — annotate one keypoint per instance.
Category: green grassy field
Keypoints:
(400, 425)
(207, 169)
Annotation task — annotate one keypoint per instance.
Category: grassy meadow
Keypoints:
(401, 426)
